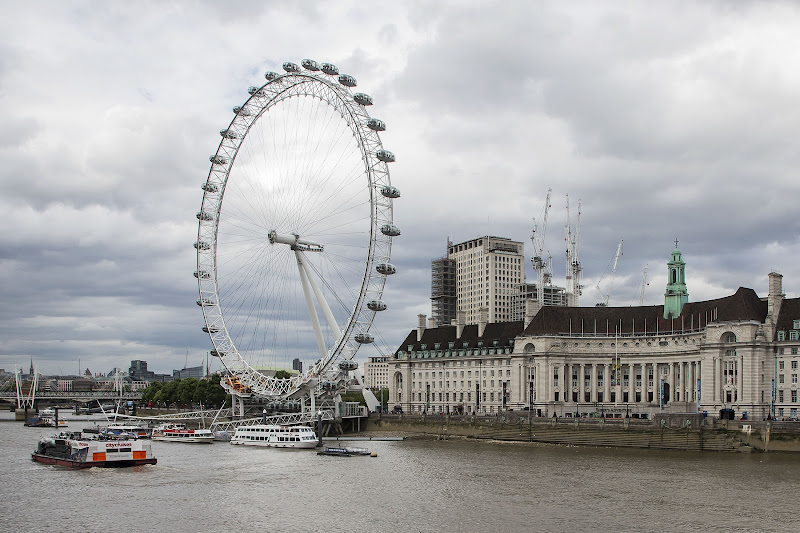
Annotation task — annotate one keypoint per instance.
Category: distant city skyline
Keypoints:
(667, 119)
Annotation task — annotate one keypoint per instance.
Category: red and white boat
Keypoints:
(72, 450)
(179, 433)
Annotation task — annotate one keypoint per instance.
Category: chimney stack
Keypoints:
(531, 308)
(420, 326)
(431, 323)
(461, 320)
(483, 319)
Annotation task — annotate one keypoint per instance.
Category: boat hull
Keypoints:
(186, 440)
(60, 461)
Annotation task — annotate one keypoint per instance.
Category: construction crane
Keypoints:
(541, 265)
(605, 295)
(644, 285)
(573, 263)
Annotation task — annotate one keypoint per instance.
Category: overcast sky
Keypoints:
(668, 119)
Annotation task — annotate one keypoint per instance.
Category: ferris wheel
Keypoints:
(295, 231)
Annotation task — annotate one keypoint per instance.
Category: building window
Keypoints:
(780, 378)
(794, 396)
(780, 365)
(781, 335)
(794, 378)
(794, 365)
(780, 396)
(793, 335)
(795, 324)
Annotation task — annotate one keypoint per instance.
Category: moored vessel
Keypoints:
(73, 451)
(179, 433)
(275, 436)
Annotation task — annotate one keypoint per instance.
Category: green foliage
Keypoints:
(282, 374)
(185, 392)
(354, 397)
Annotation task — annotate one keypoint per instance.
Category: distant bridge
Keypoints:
(11, 396)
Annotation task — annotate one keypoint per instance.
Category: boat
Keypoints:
(275, 436)
(345, 451)
(125, 431)
(74, 451)
(179, 433)
(46, 419)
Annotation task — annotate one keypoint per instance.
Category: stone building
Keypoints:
(738, 353)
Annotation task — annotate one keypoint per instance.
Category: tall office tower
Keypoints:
(488, 271)
(443, 291)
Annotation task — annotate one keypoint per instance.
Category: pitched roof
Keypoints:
(790, 311)
(742, 305)
(502, 332)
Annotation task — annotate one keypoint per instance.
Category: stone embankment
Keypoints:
(668, 432)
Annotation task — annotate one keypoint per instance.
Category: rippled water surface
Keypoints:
(410, 486)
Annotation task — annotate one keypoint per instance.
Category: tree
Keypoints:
(282, 374)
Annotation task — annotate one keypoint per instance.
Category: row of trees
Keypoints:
(187, 392)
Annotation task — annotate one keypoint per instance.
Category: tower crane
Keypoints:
(541, 265)
(644, 285)
(573, 263)
(607, 294)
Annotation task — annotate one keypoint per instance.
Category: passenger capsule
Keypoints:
(385, 155)
(202, 245)
(328, 385)
(331, 70)
(310, 64)
(229, 134)
(215, 353)
(204, 302)
(291, 67)
(390, 230)
(269, 76)
(201, 274)
(376, 124)
(253, 90)
(363, 99)
(376, 305)
(387, 269)
(390, 192)
(351, 365)
(239, 110)
(218, 160)
(347, 80)
(202, 215)
(209, 187)
(212, 329)
(364, 338)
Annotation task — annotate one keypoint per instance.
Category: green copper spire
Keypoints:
(676, 294)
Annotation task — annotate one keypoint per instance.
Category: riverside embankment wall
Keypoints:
(673, 432)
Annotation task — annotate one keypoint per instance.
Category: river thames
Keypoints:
(413, 485)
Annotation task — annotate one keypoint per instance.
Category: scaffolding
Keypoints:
(443, 291)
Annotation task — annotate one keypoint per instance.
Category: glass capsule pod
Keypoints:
(253, 90)
(291, 67)
(347, 80)
(364, 338)
(212, 329)
(201, 274)
(376, 124)
(363, 99)
(351, 365)
(390, 192)
(310, 64)
(269, 76)
(202, 245)
(202, 215)
(240, 110)
(390, 230)
(202, 302)
(209, 187)
(385, 155)
(330, 69)
(386, 269)
(376, 305)
(229, 134)
(215, 353)
(218, 160)
(328, 385)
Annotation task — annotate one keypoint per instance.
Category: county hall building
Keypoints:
(738, 353)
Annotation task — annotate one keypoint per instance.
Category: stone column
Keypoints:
(715, 383)
(594, 383)
(581, 384)
(606, 383)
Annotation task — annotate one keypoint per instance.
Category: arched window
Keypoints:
(729, 337)
(529, 348)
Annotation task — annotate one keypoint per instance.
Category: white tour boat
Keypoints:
(179, 433)
(74, 451)
(275, 436)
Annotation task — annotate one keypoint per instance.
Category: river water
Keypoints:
(413, 485)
